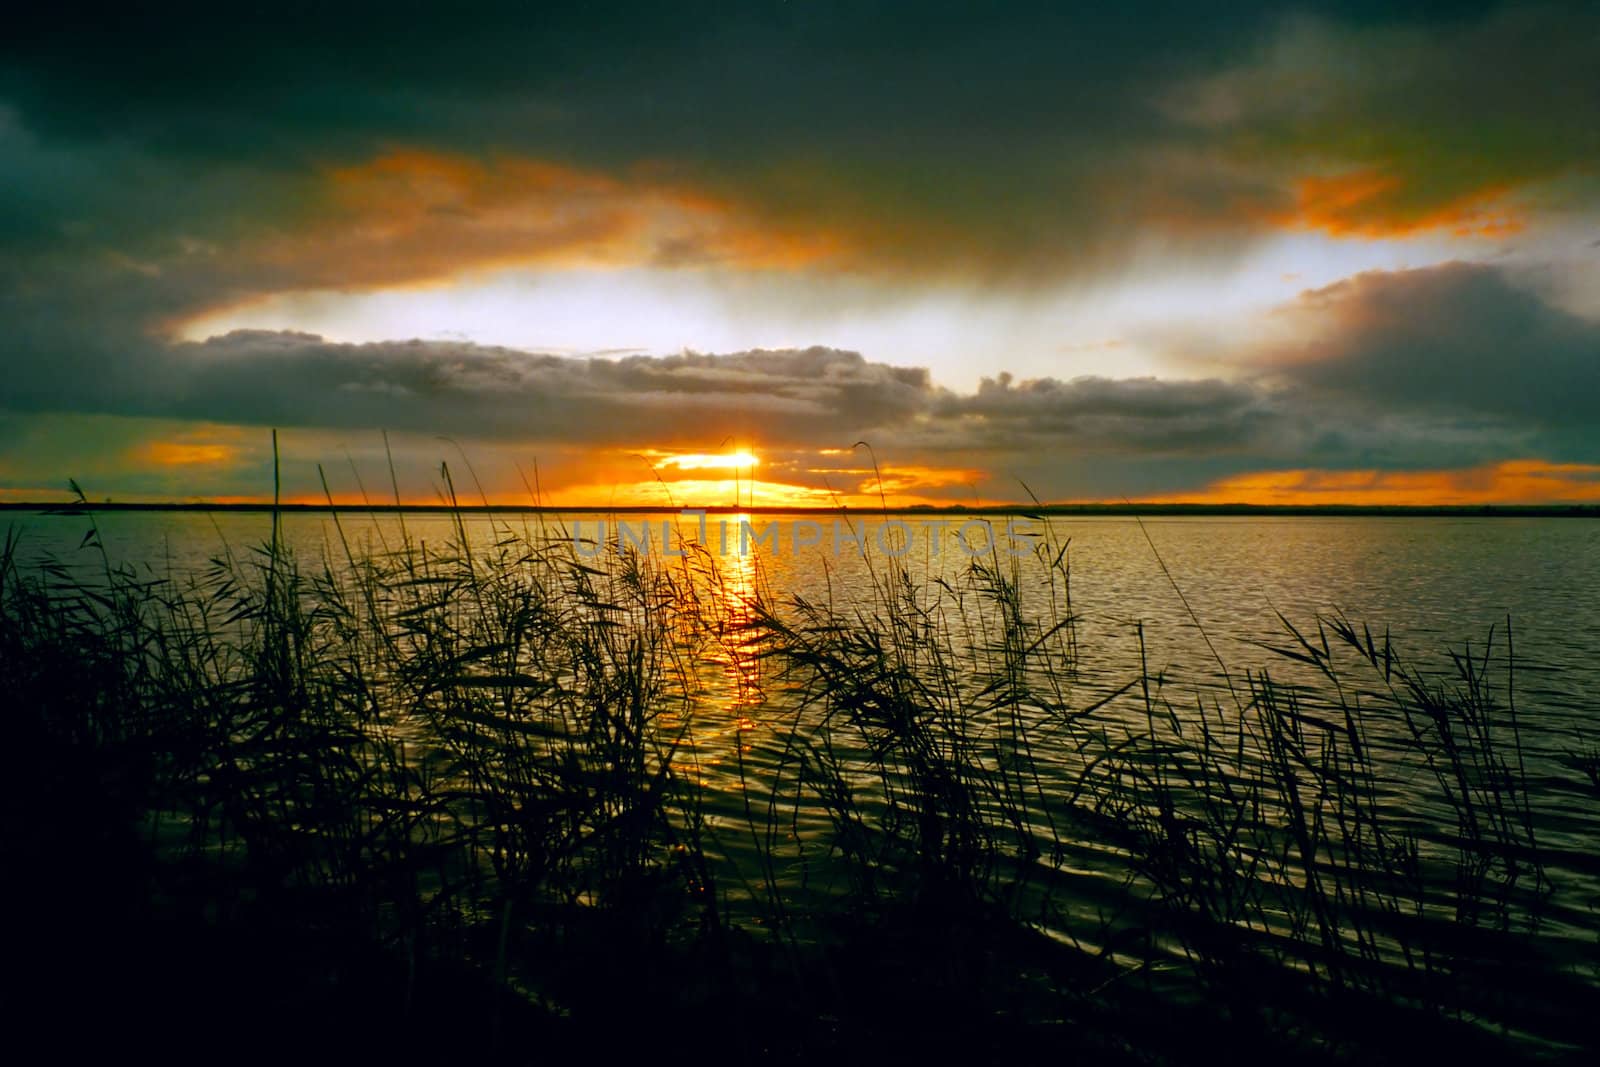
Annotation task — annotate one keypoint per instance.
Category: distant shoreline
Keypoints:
(1520, 511)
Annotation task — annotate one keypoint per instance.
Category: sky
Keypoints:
(803, 253)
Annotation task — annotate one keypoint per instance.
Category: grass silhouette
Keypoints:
(458, 798)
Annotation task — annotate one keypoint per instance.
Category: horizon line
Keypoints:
(1550, 510)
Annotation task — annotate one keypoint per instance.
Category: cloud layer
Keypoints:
(1445, 367)
(160, 166)
(959, 141)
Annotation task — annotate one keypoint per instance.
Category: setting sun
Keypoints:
(703, 461)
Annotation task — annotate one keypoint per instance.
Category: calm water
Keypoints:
(1435, 584)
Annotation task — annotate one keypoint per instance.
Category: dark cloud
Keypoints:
(810, 397)
(1455, 346)
(1446, 366)
(1129, 416)
(973, 140)
(295, 379)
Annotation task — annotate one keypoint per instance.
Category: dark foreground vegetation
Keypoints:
(496, 798)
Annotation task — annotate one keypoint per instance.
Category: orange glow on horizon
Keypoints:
(1527, 481)
(602, 479)
(699, 492)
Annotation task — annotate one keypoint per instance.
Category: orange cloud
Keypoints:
(899, 481)
(184, 454)
(413, 217)
(1524, 481)
(1373, 204)
(605, 478)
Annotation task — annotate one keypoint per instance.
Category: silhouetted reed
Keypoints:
(484, 764)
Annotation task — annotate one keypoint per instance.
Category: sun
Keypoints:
(703, 461)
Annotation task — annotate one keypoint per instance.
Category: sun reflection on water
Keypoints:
(725, 718)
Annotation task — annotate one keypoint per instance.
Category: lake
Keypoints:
(1435, 583)
(1173, 622)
